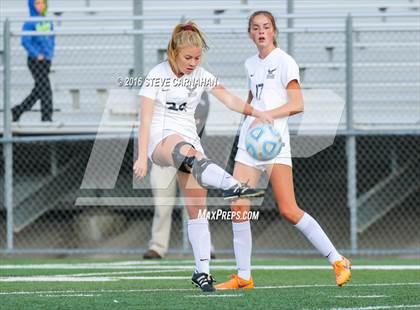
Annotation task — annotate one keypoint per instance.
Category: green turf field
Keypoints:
(280, 284)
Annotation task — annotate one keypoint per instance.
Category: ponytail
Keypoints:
(184, 35)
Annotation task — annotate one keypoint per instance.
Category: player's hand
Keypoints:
(262, 118)
(40, 57)
(140, 168)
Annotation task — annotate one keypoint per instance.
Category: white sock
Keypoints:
(215, 176)
(242, 244)
(199, 235)
(314, 233)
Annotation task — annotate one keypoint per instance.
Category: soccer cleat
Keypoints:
(241, 191)
(235, 283)
(203, 281)
(342, 270)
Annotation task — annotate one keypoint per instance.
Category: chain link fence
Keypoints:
(94, 114)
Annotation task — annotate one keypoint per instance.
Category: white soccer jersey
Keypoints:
(267, 80)
(176, 100)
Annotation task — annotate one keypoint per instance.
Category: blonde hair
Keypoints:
(184, 35)
(272, 20)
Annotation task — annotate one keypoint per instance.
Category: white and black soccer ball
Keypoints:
(263, 142)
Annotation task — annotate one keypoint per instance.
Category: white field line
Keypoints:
(110, 265)
(361, 296)
(192, 289)
(379, 307)
(330, 285)
(71, 295)
(161, 262)
(57, 279)
(105, 273)
(153, 278)
(111, 276)
(99, 291)
(70, 278)
(215, 267)
(214, 296)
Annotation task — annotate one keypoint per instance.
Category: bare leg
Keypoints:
(282, 180)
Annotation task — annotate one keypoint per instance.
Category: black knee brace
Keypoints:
(182, 163)
(197, 170)
(190, 164)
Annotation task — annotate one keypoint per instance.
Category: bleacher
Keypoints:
(86, 68)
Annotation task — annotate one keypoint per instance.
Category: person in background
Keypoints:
(40, 51)
(164, 185)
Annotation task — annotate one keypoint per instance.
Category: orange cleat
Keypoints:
(342, 270)
(235, 283)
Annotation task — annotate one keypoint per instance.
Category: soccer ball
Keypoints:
(263, 142)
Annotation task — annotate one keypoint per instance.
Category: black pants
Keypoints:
(40, 70)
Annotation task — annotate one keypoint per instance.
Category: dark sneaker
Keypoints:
(242, 191)
(151, 254)
(203, 281)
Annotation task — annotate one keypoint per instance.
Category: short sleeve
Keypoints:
(209, 80)
(290, 72)
(149, 89)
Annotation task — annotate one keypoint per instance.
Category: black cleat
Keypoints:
(203, 281)
(242, 191)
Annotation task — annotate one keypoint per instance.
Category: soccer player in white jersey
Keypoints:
(168, 135)
(274, 87)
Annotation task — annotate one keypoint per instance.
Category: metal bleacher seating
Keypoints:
(83, 76)
(86, 68)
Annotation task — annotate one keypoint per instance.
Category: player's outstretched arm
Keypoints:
(236, 104)
(146, 113)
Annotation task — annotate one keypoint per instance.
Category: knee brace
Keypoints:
(182, 163)
(190, 164)
(197, 170)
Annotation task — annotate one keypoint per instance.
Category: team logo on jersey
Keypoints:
(191, 92)
(270, 73)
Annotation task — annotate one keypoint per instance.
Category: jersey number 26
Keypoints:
(173, 106)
